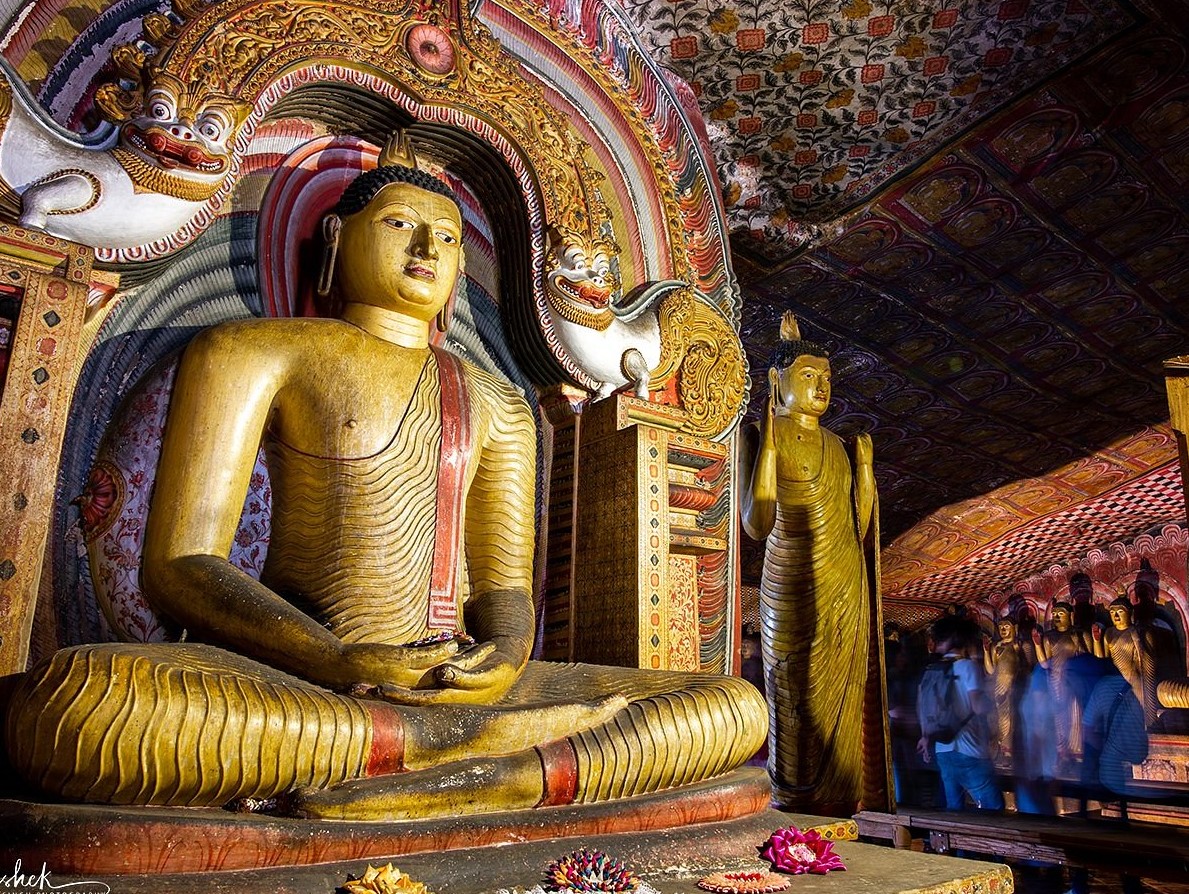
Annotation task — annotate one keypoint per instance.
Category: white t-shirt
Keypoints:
(972, 740)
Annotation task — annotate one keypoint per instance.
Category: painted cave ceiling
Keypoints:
(980, 207)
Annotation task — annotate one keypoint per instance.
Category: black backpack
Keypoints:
(938, 703)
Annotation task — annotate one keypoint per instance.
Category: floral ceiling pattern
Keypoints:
(998, 293)
(813, 104)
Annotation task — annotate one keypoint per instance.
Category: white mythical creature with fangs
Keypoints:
(165, 150)
(616, 345)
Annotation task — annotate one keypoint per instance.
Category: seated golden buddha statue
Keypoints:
(379, 668)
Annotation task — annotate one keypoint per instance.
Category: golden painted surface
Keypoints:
(683, 613)
(1176, 383)
(994, 880)
(5, 102)
(840, 830)
(43, 368)
(440, 55)
(815, 505)
(296, 686)
(705, 354)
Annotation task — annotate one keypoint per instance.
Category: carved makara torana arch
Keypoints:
(603, 152)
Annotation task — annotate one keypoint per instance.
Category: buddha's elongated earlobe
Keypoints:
(442, 320)
(332, 224)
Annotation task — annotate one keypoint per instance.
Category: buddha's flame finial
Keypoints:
(398, 151)
(789, 330)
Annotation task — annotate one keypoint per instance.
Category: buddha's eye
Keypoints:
(446, 237)
(399, 223)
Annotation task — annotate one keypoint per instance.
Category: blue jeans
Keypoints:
(975, 775)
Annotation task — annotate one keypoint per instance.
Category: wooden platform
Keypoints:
(671, 861)
(1158, 852)
(93, 840)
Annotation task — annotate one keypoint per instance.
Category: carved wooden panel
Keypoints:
(652, 508)
(43, 367)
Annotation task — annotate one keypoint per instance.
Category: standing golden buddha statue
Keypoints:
(1007, 664)
(345, 682)
(815, 503)
(1055, 648)
(1135, 650)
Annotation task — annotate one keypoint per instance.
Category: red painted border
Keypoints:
(99, 841)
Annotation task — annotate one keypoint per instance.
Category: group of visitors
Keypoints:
(951, 750)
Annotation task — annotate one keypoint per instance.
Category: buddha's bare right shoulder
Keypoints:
(306, 340)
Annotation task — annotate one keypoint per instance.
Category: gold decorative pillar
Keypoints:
(1176, 383)
(50, 276)
(643, 530)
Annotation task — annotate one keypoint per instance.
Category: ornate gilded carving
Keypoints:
(439, 54)
(703, 352)
(442, 58)
(586, 41)
(5, 102)
(33, 406)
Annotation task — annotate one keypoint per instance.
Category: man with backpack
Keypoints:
(953, 709)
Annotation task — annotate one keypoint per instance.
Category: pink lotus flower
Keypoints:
(793, 851)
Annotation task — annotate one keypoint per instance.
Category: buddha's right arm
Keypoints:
(221, 400)
(220, 405)
(757, 505)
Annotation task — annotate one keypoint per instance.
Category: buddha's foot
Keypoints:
(461, 788)
(441, 735)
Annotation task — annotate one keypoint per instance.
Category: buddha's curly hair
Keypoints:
(788, 351)
(364, 187)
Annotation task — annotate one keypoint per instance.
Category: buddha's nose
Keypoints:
(423, 243)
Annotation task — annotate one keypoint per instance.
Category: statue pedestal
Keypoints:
(670, 861)
(1166, 771)
(88, 840)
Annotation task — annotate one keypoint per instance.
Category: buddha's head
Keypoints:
(799, 373)
(1006, 629)
(1062, 615)
(397, 240)
(1120, 611)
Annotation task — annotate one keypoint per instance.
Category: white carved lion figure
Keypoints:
(126, 185)
(615, 346)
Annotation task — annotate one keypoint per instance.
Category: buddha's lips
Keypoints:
(420, 271)
(171, 153)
